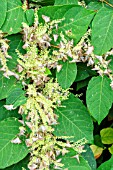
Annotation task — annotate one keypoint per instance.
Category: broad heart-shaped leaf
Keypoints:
(3, 9)
(14, 17)
(4, 113)
(108, 165)
(76, 19)
(6, 86)
(10, 153)
(67, 74)
(99, 97)
(71, 163)
(102, 30)
(16, 98)
(107, 135)
(59, 2)
(74, 120)
(89, 156)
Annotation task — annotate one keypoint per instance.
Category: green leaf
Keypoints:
(20, 165)
(10, 153)
(15, 43)
(82, 83)
(83, 72)
(108, 165)
(107, 135)
(76, 19)
(6, 113)
(6, 86)
(89, 156)
(99, 97)
(102, 31)
(30, 16)
(59, 2)
(16, 98)
(111, 62)
(71, 163)
(14, 17)
(67, 74)
(74, 120)
(111, 149)
(44, 2)
(3, 9)
(95, 5)
(88, 1)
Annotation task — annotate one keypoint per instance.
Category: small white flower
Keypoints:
(16, 140)
(9, 107)
(55, 36)
(45, 18)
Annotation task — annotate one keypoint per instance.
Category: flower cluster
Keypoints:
(44, 94)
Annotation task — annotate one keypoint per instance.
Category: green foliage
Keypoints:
(58, 2)
(99, 97)
(75, 18)
(14, 17)
(3, 8)
(6, 86)
(71, 114)
(108, 165)
(9, 129)
(102, 39)
(71, 163)
(67, 74)
(56, 84)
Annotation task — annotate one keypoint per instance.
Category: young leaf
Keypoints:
(67, 74)
(108, 165)
(111, 149)
(74, 120)
(10, 153)
(3, 8)
(99, 97)
(107, 135)
(59, 2)
(97, 151)
(102, 40)
(14, 17)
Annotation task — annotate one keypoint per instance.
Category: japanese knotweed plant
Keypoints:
(45, 56)
(43, 93)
